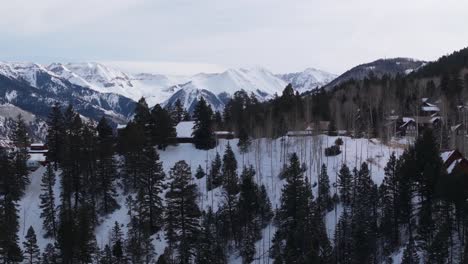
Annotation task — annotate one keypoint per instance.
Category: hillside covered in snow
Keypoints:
(267, 158)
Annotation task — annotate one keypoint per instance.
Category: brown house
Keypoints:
(454, 162)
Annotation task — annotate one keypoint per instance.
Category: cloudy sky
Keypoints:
(187, 36)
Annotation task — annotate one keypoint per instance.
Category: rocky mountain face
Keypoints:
(96, 90)
(34, 89)
(308, 80)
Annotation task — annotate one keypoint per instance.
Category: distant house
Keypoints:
(37, 155)
(38, 148)
(454, 162)
(428, 109)
(184, 130)
(224, 134)
(310, 129)
(407, 127)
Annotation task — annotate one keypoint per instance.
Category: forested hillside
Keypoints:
(296, 179)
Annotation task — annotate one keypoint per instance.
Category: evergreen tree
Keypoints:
(364, 217)
(150, 188)
(162, 126)
(203, 130)
(31, 250)
(209, 247)
(229, 171)
(249, 206)
(296, 240)
(390, 203)
(214, 178)
(345, 184)
(200, 172)
(106, 257)
(178, 112)
(265, 210)
(10, 251)
(142, 115)
(324, 199)
(183, 211)
(244, 141)
(86, 246)
(21, 142)
(106, 169)
(55, 130)
(139, 245)
(48, 214)
(116, 244)
(410, 254)
(50, 255)
(343, 239)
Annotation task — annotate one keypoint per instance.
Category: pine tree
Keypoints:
(106, 255)
(345, 185)
(150, 187)
(209, 247)
(248, 207)
(200, 172)
(410, 254)
(214, 178)
(343, 239)
(21, 142)
(324, 199)
(364, 217)
(390, 204)
(142, 115)
(55, 130)
(31, 250)
(178, 112)
(247, 248)
(182, 208)
(106, 172)
(50, 255)
(296, 239)
(48, 214)
(265, 210)
(203, 130)
(86, 246)
(162, 126)
(10, 251)
(244, 141)
(116, 244)
(229, 171)
(138, 245)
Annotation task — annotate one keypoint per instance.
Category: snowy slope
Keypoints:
(154, 87)
(218, 88)
(34, 88)
(307, 80)
(267, 156)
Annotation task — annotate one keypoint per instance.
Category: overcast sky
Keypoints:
(187, 36)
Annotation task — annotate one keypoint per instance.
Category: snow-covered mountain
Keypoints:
(154, 87)
(96, 89)
(217, 88)
(308, 80)
(34, 88)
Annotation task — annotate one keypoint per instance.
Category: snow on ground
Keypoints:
(267, 156)
(29, 211)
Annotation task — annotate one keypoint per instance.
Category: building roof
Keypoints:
(456, 127)
(431, 108)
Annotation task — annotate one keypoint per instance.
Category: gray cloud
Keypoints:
(281, 35)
